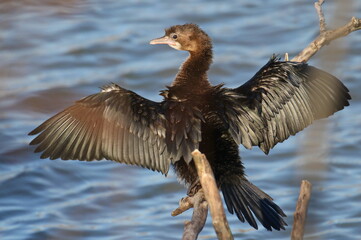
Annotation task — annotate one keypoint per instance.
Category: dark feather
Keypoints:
(119, 125)
(243, 198)
(282, 99)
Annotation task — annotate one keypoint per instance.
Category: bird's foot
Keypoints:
(194, 188)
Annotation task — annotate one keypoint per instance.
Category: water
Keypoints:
(54, 52)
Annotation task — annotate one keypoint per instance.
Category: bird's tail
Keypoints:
(243, 198)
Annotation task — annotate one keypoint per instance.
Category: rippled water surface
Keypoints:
(54, 52)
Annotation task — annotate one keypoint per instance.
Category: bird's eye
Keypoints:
(174, 36)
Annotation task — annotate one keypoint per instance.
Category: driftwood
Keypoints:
(209, 194)
(299, 217)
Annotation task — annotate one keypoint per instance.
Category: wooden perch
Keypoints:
(212, 196)
(200, 210)
(326, 36)
(299, 217)
(208, 195)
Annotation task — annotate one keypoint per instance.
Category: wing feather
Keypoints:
(115, 124)
(119, 125)
(280, 100)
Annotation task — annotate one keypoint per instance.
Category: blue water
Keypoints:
(55, 52)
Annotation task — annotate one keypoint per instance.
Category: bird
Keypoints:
(117, 124)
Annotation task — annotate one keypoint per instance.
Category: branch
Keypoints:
(299, 217)
(184, 204)
(212, 195)
(194, 227)
(326, 36)
(208, 194)
(321, 16)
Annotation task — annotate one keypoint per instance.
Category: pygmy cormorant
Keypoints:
(281, 99)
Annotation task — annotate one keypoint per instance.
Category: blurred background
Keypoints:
(54, 52)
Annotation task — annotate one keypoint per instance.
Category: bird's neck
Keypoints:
(193, 73)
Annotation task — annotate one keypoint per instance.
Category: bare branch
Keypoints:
(286, 57)
(184, 204)
(326, 36)
(194, 227)
(299, 217)
(320, 15)
(208, 194)
(212, 195)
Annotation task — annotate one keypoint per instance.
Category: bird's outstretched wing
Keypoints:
(280, 100)
(115, 124)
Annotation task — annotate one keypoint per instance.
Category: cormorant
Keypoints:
(281, 99)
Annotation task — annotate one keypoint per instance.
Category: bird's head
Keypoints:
(188, 37)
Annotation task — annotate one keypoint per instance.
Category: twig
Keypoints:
(212, 196)
(299, 217)
(326, 36)
(286, 57)
(321, 16)
(184, 204)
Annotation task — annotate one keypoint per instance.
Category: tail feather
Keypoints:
(243, 198)
(236, 201)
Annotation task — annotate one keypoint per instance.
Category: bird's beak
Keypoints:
(163, 40)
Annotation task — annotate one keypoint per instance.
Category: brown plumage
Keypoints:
(117, 124)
